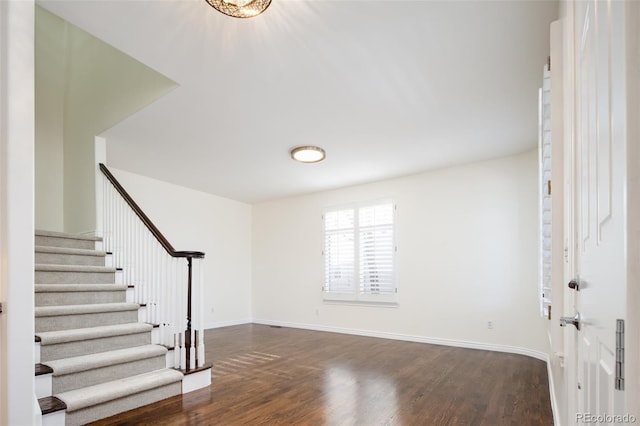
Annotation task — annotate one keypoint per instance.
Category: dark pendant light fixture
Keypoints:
(240, 8)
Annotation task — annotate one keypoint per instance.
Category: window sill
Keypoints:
(390, 301)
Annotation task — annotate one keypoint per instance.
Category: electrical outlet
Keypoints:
(490, 325)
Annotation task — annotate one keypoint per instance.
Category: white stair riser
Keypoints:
(43, 385)
(142, 315)
(54, 419)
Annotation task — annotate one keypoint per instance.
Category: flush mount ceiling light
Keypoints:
(240, 8)
(308, 154)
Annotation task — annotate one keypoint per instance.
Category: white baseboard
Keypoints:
(552, 394)
(221, 324)
(411, 338)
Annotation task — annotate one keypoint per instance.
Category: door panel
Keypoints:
(600, 171)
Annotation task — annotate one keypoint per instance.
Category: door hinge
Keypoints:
(0, 307)
(619, 354)
(548, 63)
(549, 187)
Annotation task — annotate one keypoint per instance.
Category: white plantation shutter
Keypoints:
(376, 249)
(339, 251)
(544, 148)
(359, 253)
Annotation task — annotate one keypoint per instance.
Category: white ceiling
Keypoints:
(387, 88)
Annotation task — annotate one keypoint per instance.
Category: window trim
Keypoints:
(355, 297)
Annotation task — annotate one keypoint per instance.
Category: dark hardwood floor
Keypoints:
(281, 376)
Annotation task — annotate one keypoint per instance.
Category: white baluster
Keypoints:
(200, 314)
(174, 295)
(200, 347)
(164, 300)
(183, 353)
(156, 283)
(192, 351)
(176, 349)
(129, 245)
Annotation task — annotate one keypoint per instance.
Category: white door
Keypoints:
(600, 213)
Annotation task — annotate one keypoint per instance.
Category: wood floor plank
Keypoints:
(281, 376)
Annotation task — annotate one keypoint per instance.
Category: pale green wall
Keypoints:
(83, 87)
(49, 89)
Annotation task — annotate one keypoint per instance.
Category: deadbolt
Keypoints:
(574, 284)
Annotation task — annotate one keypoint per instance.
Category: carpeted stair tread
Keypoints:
(50, 311)
(90, 333)
(60, 288)
(43, 233)
(44, 267)
(69, 250)
(104, 359)
(97, 394)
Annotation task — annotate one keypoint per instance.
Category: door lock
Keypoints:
(571, 320)
(574, 284)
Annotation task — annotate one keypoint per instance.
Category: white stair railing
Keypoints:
(166, 282)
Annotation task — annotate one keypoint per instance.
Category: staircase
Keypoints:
(94, 358)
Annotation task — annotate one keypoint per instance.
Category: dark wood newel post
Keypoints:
(187, 339)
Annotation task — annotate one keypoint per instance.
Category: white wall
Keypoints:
(16, 212)
(197, 221)
(467, 241)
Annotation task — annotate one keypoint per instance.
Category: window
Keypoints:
(545, 255)
(359, 253)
